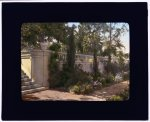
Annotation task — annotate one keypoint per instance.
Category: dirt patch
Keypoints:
(29, 97)
(98, 95)
(53, 95)
(112, 90)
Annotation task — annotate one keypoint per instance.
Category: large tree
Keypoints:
(31, 33)
(91, 35)
(71, 48)
(113, 45)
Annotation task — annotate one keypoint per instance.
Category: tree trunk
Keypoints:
(95, 64)
(109, 57)
(71, 51)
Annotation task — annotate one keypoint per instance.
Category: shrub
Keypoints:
(126, 76)
(97, 84)
(86, 88)
(81, 88)
(55, 47)
(112, 68)
(75, 89)
(67, 78)
(115, 98)
(125, 94)
(109, 78)
(103, 81)
(81, 76)
(126, 67)
(118, 77)
(54, 81)
(122, 96)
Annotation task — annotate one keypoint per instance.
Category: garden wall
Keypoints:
(26, 63)
(36, 65)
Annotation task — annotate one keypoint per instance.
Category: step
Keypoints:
(33, 90)
(25, 83)
(33, 86)
(26, 87)
(22, 73)
(24, 76)
(26, 79)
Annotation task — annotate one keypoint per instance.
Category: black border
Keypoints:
(14, 14)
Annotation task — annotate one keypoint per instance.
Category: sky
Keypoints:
(124, 38)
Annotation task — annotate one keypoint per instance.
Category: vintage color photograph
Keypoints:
(75, 61)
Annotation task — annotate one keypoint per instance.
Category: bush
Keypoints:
(118, 77)
(54, 81)
(112, 67)
(86, 88)
(115, 98)
(103, 81)
(67, 78)
(81, 88)
(97, 84)
(126, 76)
(80, 75)
(125, 94)
(120, 97)
(55, 47)
(75, 89)
(109, 78)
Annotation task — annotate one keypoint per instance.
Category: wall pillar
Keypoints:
(39, 66)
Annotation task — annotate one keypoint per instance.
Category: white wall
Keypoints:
(36, 67)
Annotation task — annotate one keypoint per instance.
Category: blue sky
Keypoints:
(124, 38)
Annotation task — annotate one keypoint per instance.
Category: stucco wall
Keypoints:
(36, 64)
(40, 66)
(26, 65)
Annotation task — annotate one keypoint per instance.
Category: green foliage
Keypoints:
(31, 33)
(121, 96)
(113, 68)
(113, 45)
(90, 39)
(75, 89)
(80, 75)
(126, 76)
(125, 94)
(126, 67)
(109, 78)
(55, 47)
(71, 50)
(54, 80)
(77, 81)
(81, 88)
(115, 98)
(106, 79)
(53, 71)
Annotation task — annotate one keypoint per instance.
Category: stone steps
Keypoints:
(24, 76)
(33, 90)
(27, 86)
(26, 80)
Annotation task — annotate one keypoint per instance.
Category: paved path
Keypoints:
(99, 95)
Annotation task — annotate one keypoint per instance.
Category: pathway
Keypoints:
(112, 90)
(98, 95)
